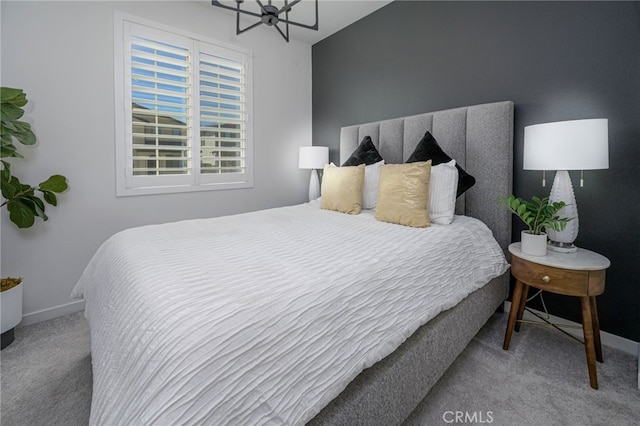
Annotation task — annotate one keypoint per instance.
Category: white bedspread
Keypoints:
(265, 317)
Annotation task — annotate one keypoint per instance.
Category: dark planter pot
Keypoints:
(8, 337)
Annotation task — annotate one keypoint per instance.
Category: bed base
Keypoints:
(391, 389)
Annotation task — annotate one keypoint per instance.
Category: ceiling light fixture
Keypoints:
(269, 14)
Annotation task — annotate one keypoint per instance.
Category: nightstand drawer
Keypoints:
(557, 280)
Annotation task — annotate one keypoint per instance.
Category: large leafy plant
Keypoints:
(538, 213)
(24, 202)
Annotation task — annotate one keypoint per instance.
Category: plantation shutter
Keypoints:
(186, 121)
(160, 102)
(222, 112)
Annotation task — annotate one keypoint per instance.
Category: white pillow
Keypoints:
(442, 192)
(370, 190)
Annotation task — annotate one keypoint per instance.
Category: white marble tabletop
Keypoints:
(582, 260)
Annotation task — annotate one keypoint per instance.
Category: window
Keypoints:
(183, 111)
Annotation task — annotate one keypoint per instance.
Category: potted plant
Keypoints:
(538, 214)
(23, 201)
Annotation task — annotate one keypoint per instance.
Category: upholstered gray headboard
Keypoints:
(479, 138)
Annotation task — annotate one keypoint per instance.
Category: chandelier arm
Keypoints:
(287, 7)
(261, 6)
(246, 12)
(286, 37)
(286, 16)
(297, 24)
(240, 31)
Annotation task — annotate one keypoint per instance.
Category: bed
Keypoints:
(190, 327)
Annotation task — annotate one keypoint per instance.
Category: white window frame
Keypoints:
(126, 183)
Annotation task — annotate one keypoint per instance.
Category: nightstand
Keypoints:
(579, 274)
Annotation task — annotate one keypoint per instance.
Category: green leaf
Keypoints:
(9, 151)
(11, 187)
(38, 206)
(35, 204)
(21, 214)
(10, 112)
(24, 134)
(50, 198)
(56, 183)
(21, 126)
(5, 178)
(14, 96)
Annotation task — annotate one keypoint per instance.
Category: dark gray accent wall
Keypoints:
(555, 60)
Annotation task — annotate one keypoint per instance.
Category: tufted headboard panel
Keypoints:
(479, 138)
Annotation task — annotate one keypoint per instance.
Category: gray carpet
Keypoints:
(541, 380)
(46, 374)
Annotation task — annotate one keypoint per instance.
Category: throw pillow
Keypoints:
(442, 192)
(366, 153)
(371, 179)
(428, 149)
(403, 194)
(342, 188)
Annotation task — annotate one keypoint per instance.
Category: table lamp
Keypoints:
(313, 157)
(562, 146)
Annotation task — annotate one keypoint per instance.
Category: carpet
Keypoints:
(541, 380)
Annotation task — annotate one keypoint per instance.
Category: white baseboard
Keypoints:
(51, 313)
(608, 339)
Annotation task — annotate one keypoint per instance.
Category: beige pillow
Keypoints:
(403, 194)
(342, 188)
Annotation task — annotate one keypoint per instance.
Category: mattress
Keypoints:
(264, 317)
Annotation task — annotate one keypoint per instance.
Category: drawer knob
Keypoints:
(546, 278)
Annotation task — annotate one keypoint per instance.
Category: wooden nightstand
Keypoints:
(578, 274)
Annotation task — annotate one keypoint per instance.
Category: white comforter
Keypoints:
(265, 317)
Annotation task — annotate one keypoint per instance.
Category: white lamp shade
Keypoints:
(313, 157)
(567, 145)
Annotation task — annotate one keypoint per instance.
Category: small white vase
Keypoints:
(534, 245)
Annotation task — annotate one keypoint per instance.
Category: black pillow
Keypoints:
(428, 149)
(366, 153)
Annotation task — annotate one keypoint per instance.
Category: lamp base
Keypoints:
(314, 185)
(559, 247)
(562, 190)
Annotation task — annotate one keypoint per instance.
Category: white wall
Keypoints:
(61, 54)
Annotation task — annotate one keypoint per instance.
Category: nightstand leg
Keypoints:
(596, 328)
(513, 313)
(523, 302)
(589, 344)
